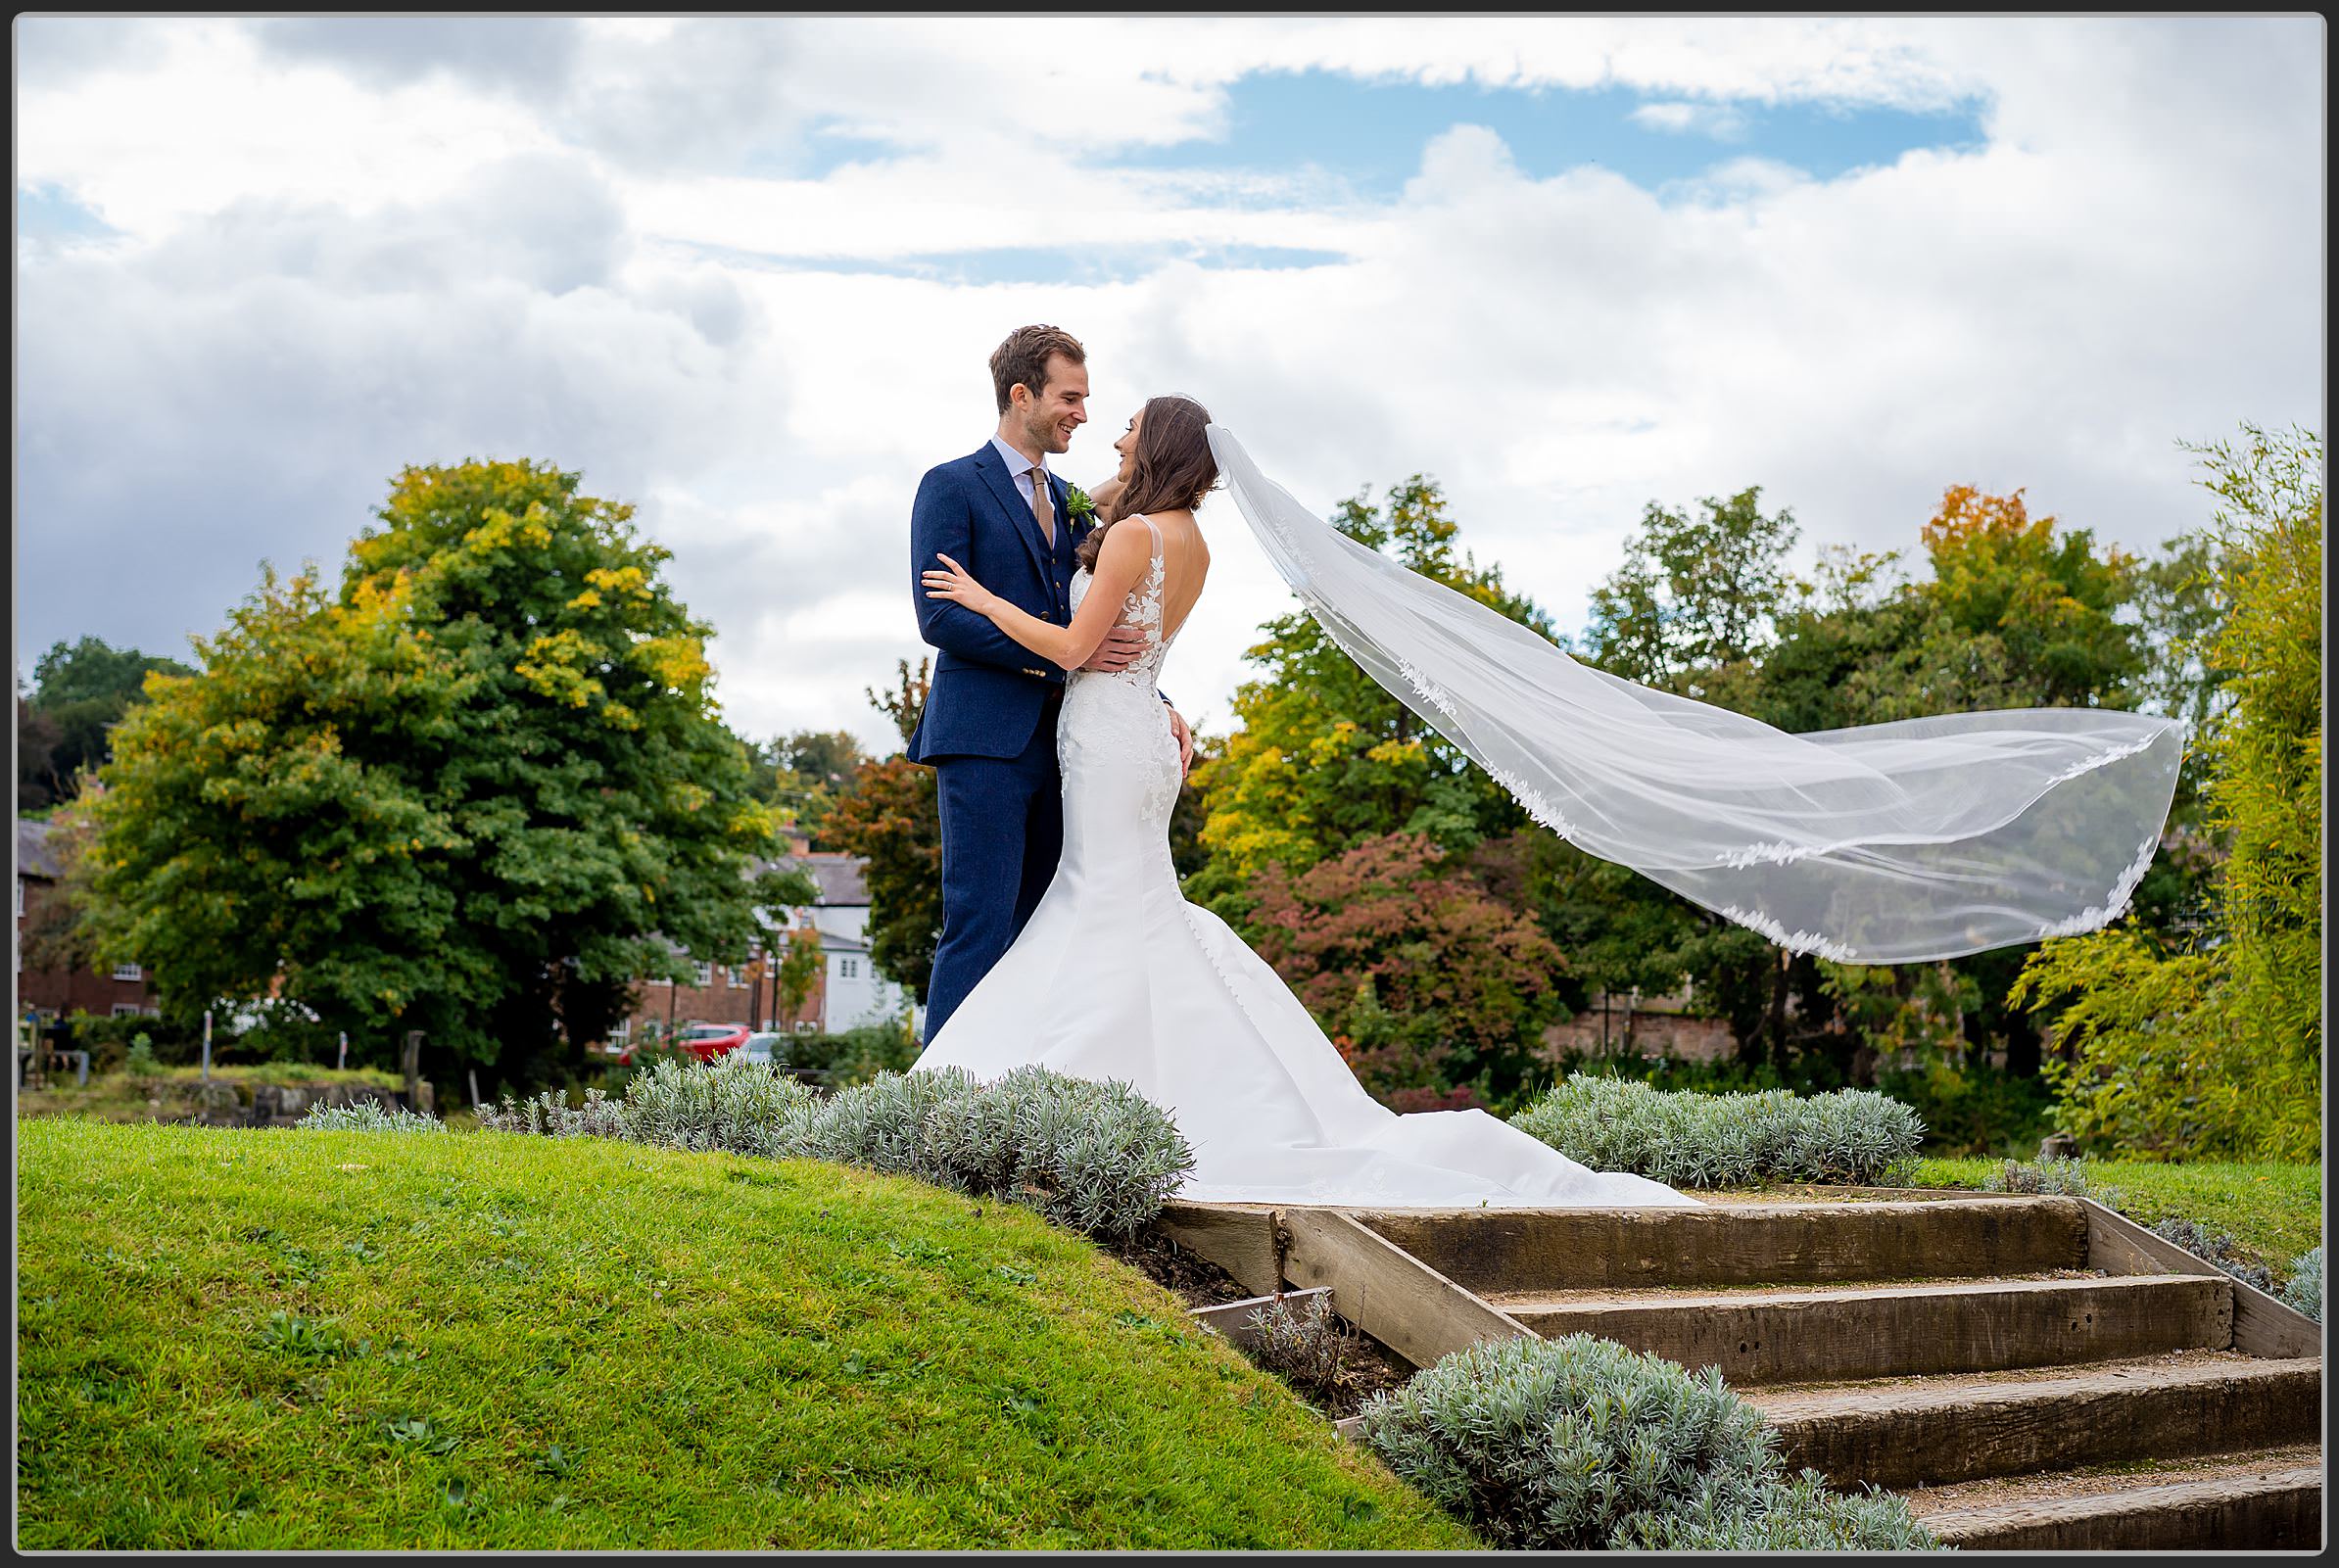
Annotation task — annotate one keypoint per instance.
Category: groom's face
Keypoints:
(1060, 409)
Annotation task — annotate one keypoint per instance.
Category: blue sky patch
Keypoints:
(1070, 264)
(44, 212)
(1370, 136)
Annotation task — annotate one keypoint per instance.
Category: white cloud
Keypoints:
(328, 274)
(1717, 121)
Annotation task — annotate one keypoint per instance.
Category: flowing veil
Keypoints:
(1886, 843)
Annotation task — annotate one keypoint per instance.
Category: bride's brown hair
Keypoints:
(1173, 465)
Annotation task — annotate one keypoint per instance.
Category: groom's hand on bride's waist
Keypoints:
(1122, 644)
(1185, 742)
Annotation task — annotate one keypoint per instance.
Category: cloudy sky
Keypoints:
(745, 274)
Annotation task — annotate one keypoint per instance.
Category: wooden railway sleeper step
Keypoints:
(1760, 1336)
(2264, 1501)
(1933, 1431)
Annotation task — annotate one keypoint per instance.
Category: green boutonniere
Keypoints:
(1077, 504)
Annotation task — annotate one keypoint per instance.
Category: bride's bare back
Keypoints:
(1185, 564)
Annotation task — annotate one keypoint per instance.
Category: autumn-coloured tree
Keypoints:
(1423, 981)
(891, 818)
(1322, 758)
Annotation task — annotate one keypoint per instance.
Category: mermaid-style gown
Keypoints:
(1117, 975)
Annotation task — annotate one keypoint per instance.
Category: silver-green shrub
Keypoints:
(364, 1116)
(2221, 1248)
(1551, 1445)
(1687, 1139)
(2305, 1290)
(2052, 1174)
(729, 1103)
(1096, 1158)
(1796, 1515)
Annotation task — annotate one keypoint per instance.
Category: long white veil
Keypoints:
(1886, 843)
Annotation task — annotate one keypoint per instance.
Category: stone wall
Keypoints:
(237, 1103)
(1671, 1034)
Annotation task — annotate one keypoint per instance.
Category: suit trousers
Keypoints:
(1002, 835)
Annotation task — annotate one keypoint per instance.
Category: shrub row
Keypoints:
(1579, 1444)
(1095, 1158)
(2056, 1175)
(1687, 1139)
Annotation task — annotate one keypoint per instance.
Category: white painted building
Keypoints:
(851, 993)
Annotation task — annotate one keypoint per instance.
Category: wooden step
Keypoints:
(1891, 1330)
(2271, 1500)
(1932, 1430)
(1720, 1245)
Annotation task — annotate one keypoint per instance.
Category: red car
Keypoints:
(705, 1041)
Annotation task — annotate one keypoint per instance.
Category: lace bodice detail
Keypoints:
(1142, 608)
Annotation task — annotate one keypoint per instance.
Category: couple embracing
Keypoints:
(1066, 941)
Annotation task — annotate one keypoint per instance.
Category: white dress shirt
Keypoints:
(1019, 468)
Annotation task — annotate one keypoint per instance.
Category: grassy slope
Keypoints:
(727, 1353)
(2274, 1210)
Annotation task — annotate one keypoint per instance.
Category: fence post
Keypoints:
(341, 1065)
(412, 1064)
(207, 1045)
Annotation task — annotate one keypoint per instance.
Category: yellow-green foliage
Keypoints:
(2219, 1050)
(476, 791)
(496, 1343)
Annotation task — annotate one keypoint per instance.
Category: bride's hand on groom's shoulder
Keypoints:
(1107, 496)
(953, 581)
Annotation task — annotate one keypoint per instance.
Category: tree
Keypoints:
(804, 774)
(80, 691)
(477, 792)
(892, 820)
(798, 967)
(1323, 758)
(38, 739)
(2219, 1050)
(1692, 597)
(1423, 981)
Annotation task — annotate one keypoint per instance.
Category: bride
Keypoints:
(1117, 975)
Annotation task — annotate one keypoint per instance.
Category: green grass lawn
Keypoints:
(497, 1342)
(2274, 1210)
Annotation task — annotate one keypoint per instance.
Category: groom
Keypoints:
(988, 727)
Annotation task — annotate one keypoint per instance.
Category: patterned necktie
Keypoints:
(1043, 505)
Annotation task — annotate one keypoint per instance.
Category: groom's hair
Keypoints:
(1024, 357)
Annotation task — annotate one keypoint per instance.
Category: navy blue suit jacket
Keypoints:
(989, 688)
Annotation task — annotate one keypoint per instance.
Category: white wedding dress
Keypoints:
(1117, 975)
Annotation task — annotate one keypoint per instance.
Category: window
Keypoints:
(622, 1033)
(707, 975)
(738, 977)
(128, 972)
(127, 1009)
(848, 968)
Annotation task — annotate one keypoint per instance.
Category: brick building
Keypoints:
(48, 993)
(846, 990)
